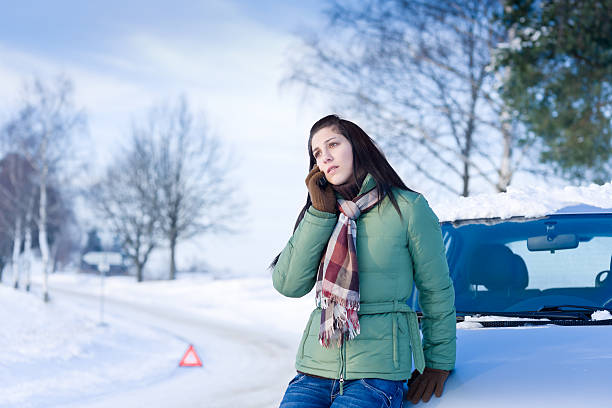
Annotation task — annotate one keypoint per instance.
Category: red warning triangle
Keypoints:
(190, 359)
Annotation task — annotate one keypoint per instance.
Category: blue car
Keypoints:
(533, 299)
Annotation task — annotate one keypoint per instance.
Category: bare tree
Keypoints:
(17, 203)
(6, 215)
(5, 250)
(66, 242)
(420, 74)
(192, 177)
(19, 198)
(42, 131)
(172, 183)
(127, 199)
(62, 229)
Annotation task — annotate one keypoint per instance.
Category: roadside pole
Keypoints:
(103, 260)
(103, 267)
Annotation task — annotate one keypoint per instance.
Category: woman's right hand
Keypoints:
(323, 199)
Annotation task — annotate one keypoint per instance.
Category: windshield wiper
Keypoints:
(559, 312)
(530, 314)
(559, 308)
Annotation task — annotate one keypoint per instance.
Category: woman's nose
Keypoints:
(326, 157)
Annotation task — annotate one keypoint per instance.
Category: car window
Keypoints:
(524, 264)
(567, 268)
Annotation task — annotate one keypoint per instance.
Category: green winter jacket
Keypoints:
(392, 254)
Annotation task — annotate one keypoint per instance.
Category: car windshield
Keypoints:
(526, 264)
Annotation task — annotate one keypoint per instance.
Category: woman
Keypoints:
(362, 239)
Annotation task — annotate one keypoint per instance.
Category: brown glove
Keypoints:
(423, 385)
(323, 199)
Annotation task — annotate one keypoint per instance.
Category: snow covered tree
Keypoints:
(62, 228)
(42, 131)
(19, 199)
(5, 250)
(17, 204)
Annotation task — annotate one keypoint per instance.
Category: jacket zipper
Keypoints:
(343, 366)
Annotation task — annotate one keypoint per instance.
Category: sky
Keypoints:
(228, 59)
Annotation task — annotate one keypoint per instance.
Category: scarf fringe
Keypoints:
(326, 337)
(323, 301)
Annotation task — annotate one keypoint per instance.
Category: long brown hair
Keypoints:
(367, 157)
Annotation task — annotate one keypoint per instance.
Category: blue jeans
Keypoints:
(305, 391)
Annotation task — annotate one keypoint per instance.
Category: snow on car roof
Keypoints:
(527, 202)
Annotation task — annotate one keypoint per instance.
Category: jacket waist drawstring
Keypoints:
(413, 326)
(413, 332)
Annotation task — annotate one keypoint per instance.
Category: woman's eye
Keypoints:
(332, 144)
(316, 155)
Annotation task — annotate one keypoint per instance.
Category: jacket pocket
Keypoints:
(395, 341)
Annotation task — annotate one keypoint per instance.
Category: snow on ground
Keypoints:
(53, 353)
(528, 202)
(56, 355)
(249, 302)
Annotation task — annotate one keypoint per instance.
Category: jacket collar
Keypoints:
(368, 184)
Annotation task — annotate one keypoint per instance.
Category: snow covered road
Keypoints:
(56, 354)
(244, 332)
(241, 366)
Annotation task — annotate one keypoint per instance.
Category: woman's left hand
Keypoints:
(323, 198)
(422, 386)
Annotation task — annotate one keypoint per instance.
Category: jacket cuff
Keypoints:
(439, 366)
(319, 217)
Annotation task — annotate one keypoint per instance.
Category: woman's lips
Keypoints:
(332, 169)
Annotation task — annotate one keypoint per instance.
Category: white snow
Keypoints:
(469, 325)
(473, 322)
(492, 318)
(55, 353)
(515, 44)
(601, 315)
(527, 202)
(248, 302)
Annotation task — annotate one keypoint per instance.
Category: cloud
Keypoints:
(229, 69)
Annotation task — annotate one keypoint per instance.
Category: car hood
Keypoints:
(541, 366)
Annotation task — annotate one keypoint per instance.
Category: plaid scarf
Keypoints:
(337, 286)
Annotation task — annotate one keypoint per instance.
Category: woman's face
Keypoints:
(334, 155)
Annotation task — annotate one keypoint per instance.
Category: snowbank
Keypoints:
(528, 202)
